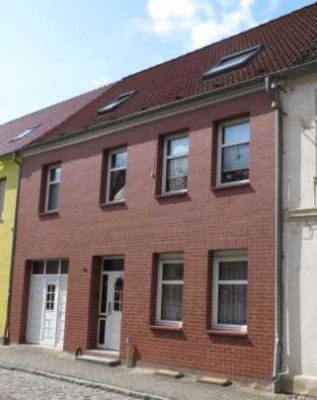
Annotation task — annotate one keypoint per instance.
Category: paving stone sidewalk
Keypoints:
(136, 379)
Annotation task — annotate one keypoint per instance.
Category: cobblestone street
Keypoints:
(16, 385)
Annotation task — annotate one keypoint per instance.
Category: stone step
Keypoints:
(103, 354)
(106, 361)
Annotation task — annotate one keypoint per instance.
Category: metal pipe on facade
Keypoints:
(273, 89)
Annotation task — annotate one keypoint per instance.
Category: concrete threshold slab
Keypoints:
(212, 380)
(108, 362)
(86, 383)
(169, 373)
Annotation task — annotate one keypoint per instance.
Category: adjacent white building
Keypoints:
(299, 357)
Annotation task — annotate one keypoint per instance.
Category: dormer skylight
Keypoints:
(25, 133)
(232, 61)
(116, 103)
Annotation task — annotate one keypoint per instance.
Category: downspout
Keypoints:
(274, 90)
(7, 324)
(315, 177)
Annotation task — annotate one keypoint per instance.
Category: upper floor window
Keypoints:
(54, 175)
(175, 164)
(230, 283)
(2, 195)
(233, 152)
(117, 167)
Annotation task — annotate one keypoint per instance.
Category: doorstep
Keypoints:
(106, 358)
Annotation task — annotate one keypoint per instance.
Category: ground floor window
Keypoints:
(230, 284)
(170, 289)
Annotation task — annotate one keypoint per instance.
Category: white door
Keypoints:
(61, 311)
(47, 307)
(35, 314)
(109, 327)
(50, 313)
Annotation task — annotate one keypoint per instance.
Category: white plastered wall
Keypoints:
(300, 237)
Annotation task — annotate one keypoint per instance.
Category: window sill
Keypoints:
(224, 332)
(302, 213)
(172, 328)
(48, 214)
(231, 185)
(172, 194)
(112, 204)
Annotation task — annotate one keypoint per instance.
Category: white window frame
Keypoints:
(166, 157)
(2, 200)
(224, 256)
(48, 186)
(59, 260)
(110, 170)
(221, 146)
(167, 259)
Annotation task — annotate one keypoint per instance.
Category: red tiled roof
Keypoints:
(286, 42)
(46, 120)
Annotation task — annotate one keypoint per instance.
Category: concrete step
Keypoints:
(106, 361)
(103, 353)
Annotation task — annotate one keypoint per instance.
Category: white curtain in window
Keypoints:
(172, 297)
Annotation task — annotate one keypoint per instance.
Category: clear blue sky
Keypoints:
(51, 50)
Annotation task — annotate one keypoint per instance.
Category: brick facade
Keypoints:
(196, 224)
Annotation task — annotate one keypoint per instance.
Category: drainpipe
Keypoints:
(7, 324)
(315, 177)
(274, 90)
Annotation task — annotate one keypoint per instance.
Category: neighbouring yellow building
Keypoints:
(9, 176)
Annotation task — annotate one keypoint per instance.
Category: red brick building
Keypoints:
(149, 216)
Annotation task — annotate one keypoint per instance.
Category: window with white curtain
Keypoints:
(2, 195)
(170, 289)
(175, 164)
(230, 285)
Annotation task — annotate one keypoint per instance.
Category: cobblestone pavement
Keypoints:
(16, 385)
(136, 379)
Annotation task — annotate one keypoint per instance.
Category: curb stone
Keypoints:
(82, 382)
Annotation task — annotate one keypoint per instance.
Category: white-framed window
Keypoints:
(170, 289)
(175, 164)
(54, 176)
(3, 182)
(49, 267)
(116, 175)
(233, 152)
(230, 286)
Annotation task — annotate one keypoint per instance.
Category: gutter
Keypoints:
(274, 89)
(7, 323)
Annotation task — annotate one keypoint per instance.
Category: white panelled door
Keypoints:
(47, 308)
(110, 311)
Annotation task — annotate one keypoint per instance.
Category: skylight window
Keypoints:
(25, 133)
(232, 61)
(116, 103)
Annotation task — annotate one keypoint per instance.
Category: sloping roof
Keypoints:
(45, 121)
(285, 42)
